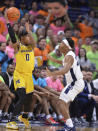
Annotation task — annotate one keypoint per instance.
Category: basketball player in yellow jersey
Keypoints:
(23, 72)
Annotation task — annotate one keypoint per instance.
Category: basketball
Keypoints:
(13, 14)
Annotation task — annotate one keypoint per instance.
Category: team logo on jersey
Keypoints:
(18, 81)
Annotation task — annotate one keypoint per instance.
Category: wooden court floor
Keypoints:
(46, 128)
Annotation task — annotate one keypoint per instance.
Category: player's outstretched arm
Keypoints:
(67, 65)
(10, 29)
(11, 33)
(54, 60)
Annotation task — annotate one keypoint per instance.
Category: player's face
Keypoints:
(58, 10)
(25, 39)
(63, 48)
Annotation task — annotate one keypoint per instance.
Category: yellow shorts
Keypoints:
(23, 81)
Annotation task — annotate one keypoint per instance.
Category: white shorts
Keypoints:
(69, 93)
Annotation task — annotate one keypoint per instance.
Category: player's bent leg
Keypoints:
(18, 107)
(27, 104)
(56, 108)
(22, 95)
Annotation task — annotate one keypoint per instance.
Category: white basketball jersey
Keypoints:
(74, 73)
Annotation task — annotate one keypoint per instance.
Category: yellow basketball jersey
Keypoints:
(25, 59)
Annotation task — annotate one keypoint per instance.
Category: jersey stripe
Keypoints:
(70, 87)
(73, 77)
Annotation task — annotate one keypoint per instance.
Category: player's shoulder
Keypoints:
(70, 53)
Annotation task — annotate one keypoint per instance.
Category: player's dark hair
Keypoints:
(68, 29)
(62, 2)
(22, 33)
(71, 43)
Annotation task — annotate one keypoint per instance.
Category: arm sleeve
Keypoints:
(11, 33)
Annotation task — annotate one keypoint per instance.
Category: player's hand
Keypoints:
(48, 72)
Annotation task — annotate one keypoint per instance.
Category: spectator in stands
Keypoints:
(59, 11)
(86, 44)
(72, 3)
(68, 33)
(91, 16)
(93, 54)
(60, 36)
(54, 83)
(57, 26)
(3, 27)
(80, 43)
(2, 38)
(41, 85)
(22, 21)
(8, 75)
(41, 52)
(40, 32)
(3, 57)
(32, 19)
(39, 22)
(83, 61)
(5, 99)
(76, 36)
(44, 11)
(12, 3)
(26, 16)
(22, 9)
(85, 29)
(9, 49)
(84, 4)
(34, 10)
(56, 55)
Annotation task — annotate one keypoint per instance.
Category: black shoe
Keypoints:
(5, 118)
(67, 128)
(31, 118)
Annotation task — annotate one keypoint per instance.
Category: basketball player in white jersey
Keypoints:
(74, 78)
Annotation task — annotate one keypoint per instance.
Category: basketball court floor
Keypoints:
(37, 126)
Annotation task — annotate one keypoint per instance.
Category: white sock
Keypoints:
(54, 115)
(0, 111)
(69, 123)
(30, 114)
(43, 114)
(22, 113)
(60, 117)
(48, 116)
(5, 113)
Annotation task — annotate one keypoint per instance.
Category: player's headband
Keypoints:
(65, 41)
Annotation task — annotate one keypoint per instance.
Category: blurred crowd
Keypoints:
(48, 34)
